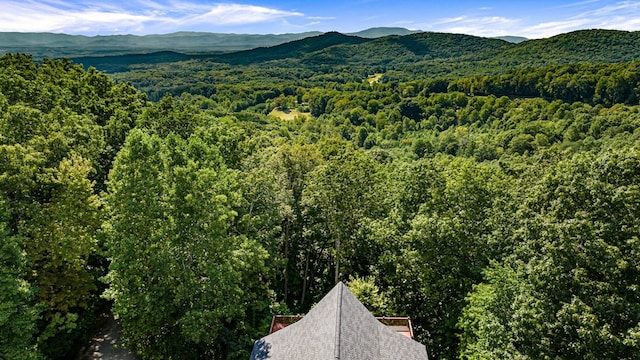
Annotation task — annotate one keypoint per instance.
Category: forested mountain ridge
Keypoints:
(420, 54)
(466, 63)
(596, 45)
(397, 50)
(472, 55)
(333, 49)
(53, 45)
(291, 50)
(498, 207)
(59, 45)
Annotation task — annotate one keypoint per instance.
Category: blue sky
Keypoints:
(532, 19)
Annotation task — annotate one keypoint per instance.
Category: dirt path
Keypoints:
(105, 345)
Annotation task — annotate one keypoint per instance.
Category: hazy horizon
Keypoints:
(145, 17)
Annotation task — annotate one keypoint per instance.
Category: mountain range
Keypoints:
(380, 49)
(427, 53)
(58, 45)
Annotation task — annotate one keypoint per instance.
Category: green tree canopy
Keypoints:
(180, 281)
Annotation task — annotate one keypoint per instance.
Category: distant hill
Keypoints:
(293, 49)
(398, 51)
(606, 46)
(58, 45)
(512, 39)
(432, 45)
(62, 45)
(378, 32)
(120, 63)
(327, 50)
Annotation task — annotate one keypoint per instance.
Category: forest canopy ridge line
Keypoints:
(414, 54)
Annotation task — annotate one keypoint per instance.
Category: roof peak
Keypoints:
(340, 288)
(339, 327)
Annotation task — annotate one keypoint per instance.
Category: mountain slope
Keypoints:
(405, 49)
(424, 54)
(294, 49)
(63, 45)
(596, 45)
(120, 63)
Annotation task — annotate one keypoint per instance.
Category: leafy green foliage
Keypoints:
(53, 149)
(591, 83)
(17, 314)
(446, 235)
(180, 281)
(569, 288)
(340, 192)
(369, 295)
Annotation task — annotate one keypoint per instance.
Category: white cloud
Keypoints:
(481, 26)
(452, 20)
(162, 16)
(615, 8)
(60, 16)
(622, 15)
(321, 17)
(40, 17)
(588, 14)
(234, 14)
(552, 28)
(575, 4)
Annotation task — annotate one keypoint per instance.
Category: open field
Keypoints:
(372, 79)
(287, 114)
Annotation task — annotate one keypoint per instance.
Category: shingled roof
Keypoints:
(339, 327)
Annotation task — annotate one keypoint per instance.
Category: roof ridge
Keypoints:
(364, 337)
(336, 353)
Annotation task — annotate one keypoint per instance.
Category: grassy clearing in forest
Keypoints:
(374, 78)
(287, 114)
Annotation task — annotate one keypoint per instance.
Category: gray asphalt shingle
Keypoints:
(339, 327)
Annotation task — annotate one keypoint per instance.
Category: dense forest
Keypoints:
(491, 196)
